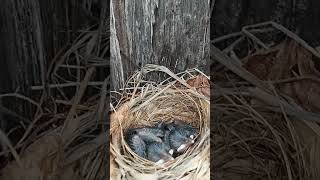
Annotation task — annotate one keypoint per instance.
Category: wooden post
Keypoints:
(173, 33)
(22, 52)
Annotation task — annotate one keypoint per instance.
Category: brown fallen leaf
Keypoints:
(201, 83)
(289, 61)
(260, 64)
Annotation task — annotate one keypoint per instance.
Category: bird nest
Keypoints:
(183, 96)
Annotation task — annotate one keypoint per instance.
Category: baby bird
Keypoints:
(138, 138)
(137, 145)
(181, 136)
(186, 129)
(178, 142)
(161, 142)
(158, 152)
(166, 140)
(149, 134)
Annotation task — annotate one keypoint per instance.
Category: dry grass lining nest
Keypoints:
(145, 103)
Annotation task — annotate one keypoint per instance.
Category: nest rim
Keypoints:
(129, 160)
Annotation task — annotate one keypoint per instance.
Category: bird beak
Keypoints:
(182, 146)
(171, 151)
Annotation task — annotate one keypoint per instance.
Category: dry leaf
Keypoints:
(260, 64)
(280, 65)
(201, 83)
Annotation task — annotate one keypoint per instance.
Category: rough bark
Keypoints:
(166, 32)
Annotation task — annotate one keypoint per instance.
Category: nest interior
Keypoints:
(149, 104)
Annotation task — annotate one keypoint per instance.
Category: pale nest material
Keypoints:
(145, 103)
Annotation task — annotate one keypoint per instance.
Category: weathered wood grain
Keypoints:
(21, 49)
(171, 33)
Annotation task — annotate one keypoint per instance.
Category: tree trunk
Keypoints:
(171, 33)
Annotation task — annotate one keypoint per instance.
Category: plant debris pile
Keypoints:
(266, 105)
(67, 137)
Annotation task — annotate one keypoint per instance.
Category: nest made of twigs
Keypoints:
(144, 104)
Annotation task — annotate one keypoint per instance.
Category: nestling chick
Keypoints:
(158, 152)
(166, 140)
(160, 125)
(149, 134)
(179, 142)
(181, 136)
(137, 144)
(186, 129)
